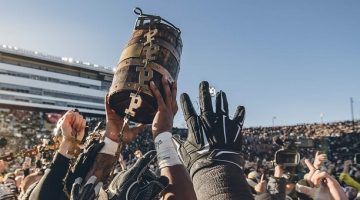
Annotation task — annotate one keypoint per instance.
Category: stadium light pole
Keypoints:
(273, 121)
(322, 117)
(352, 111)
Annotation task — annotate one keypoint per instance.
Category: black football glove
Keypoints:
(137, 183)
(212, 136)
(89, 191)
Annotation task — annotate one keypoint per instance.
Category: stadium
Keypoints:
(35, 88)
(277, 127)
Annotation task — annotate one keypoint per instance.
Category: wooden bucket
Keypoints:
(153, 51)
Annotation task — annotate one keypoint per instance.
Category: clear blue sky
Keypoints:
(284, 58)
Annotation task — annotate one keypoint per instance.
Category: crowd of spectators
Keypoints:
(340, 141)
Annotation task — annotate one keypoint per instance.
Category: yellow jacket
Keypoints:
(349, 181)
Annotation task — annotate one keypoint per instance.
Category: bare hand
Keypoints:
(261, 186)
(167, 107)
(320, 158)
(72, 126)
(323, 183)
(114, 124)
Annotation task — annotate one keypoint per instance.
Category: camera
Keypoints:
(287, 158)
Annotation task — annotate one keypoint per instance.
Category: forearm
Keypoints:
(180, 185)
(221, 182)
(51, 185)
(335, 189)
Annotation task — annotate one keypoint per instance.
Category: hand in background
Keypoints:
(261, 186)
(323, 186)
(320, 158)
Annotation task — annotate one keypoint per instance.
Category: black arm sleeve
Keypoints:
(51, 184)
(221, 182)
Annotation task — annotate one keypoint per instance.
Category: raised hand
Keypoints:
(261, 186)
(211, 134)
(114, 124)
(167, 107)
(138, 182)
(320, 158)
(72, 126)
(323, 186)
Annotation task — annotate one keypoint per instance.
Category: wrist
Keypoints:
(166, 153)
(110, 147)
(155, 133)
(112, 133)
(64, 148)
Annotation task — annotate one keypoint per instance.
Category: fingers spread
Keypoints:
(222, 103)
(310, 165)
(187, 107)
(318, 177)
(205, 98)
(239, 115)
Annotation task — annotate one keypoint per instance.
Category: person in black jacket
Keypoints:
(51, 184)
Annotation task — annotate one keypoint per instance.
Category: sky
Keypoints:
(291, 60)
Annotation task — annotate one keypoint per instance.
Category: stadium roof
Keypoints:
(62, 60)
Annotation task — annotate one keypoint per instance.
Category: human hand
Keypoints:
(211, 134)
(89, 191)
(114, 124)
(322, 184)
(261, 186)
(167, 107)
(72, 126)
(347, 163)
(137, 182)
(320, 158)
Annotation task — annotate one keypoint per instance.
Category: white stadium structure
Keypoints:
(34, 80)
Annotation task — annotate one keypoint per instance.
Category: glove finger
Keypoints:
(153, 188)
(205, 99)
(143, 162)
(75, 192)
(191, 119)
(222, 106)
(239, 115)
(148, 175)
(187, 107)
(88, 188)
(94, 193)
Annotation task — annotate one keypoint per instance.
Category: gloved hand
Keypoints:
(138, 182)
(89, 191)
(83, 163)
(212, 136)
